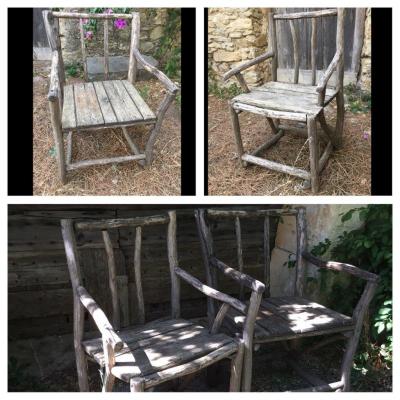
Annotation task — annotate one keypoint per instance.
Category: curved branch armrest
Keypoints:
(171, 86)
(341, 267)
(107, 331)
(329, 71)
(246, 280)
(54, 86)
(210, 292)
(247, 64)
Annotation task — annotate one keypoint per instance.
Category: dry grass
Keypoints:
(348, 171)
(162, 178)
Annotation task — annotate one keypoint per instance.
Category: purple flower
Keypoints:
(365, 135)
(108, 11)
(120, 23)
(85, 21)
(89, 35)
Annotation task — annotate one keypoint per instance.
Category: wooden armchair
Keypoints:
(302, 104)
(288, 317)
(153, 352)
(104, 104)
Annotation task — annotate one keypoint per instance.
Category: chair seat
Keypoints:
(103, 104)
(161, 345)
(285, 97)
(293, 317)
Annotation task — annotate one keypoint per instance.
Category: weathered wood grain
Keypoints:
(238, 233)
(74, 15)
(105, 104)
(307, 14)
(301, 245)
(106, 66)
(173, 263)
(87, 109)
(135, 38)
(295, 40)
(144, 109)
(83, 49)
(104, 161)
(268, 144)
(267, 256)
(313, 144)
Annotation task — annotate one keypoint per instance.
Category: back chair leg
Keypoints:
(136, 384)
(339, 118)
(236, 369)
(236, 131)
(108, 383)
(314, 153)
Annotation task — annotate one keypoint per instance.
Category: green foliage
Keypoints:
(358, 100)
(178, 99)
(370, 248)
(73, 70)
(53, 152)
(144, 92)
(169, 50)
(224, 92)
(291, 262)
(92, 23)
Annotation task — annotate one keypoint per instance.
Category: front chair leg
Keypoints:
(236, 369)
(314, 153)
(136, 384)
(236, 131)
(108, 382)
(339, 118)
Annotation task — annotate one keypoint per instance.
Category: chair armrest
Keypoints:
(171, 86)
(246, 280)
(107, 331)
(341, 267)
(329, 71)
(210, 292)
(54, 94)
(247, 64)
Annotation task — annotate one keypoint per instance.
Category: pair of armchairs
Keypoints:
(150, 353)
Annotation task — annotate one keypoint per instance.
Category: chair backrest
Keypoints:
(51, 22)
(293, 19)
(204, 216)
(70, 230)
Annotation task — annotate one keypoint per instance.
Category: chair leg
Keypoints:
(347, 362)
(236, 369)
(81, 366)
(58, 139)
(108, 382)
(136, 385)
(248, 369)
(339, 118)
(314, 153)
(236, 131)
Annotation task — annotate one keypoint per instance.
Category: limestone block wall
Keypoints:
(152, 23)
(323, 221)
(236, 35)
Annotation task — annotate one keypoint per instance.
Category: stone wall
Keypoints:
(236, 35)
(152, 22)
(365, 70)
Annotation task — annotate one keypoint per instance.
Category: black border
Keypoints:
(206, 101)
(381, 110)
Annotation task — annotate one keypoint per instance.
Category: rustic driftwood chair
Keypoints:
(104, 104)
(289, 317)
(153, 352)
(301, 104)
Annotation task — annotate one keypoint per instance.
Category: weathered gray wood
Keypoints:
(277, 167)
(313, 51)
(134, 148)
(68, 114)
(272, 125)
(219, 318)
(325, 156)
(209, 291)
(48, 20)
(307, 14)
(58, 139)
(87, 109)
(268, 144)
(267, 257)
(236, 369)
(105, 104)
(69, 148)
(328, 72)
(67, 231)
(173, 263)
(98, 225)
(54, 85)
(112, 273)
(358, 39)
(314, 153)
(270, 113)
(106, 67)
(242, 82)
(61, 14)
(221, 213)
(247, 64)
(103, 161)
(301, 233)
(240, 277)
(135, 37)
(136, 385)
(272, 45)
(171, 86)
(144, 109)
(295, 40)
(238, 233)
(83, 49)
(236, 132)
(169, 97)
(123, 299)
(341, 267)
(138, 275)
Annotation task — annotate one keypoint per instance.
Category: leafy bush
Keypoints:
(224, 92)
(358, 100)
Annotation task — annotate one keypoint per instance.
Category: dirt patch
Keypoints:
(162, 178)
(348, 171)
